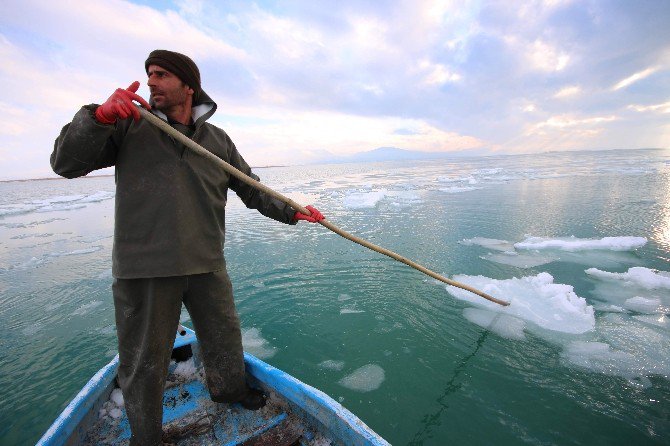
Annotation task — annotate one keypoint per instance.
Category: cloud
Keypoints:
(437, 74)
(634, 78)
(568, 121)
(566, 92)
(545, 57)
(659, 108)
(457, 75)
(333, 132)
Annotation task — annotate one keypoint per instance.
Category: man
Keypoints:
(169, 233)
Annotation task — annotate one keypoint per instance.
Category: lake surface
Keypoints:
(579, 243)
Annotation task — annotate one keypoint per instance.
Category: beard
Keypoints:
(167, 99)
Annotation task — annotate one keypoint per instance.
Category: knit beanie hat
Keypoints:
(179, 64)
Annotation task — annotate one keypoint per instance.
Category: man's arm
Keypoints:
(254, 198)
(92, 139)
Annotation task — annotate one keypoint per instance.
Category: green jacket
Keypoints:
(170, 203)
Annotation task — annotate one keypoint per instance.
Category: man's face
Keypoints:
(167, 90)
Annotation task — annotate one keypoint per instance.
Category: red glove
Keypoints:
(314, 217)
(120, 105)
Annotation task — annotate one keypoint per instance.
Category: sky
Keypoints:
(299, 80)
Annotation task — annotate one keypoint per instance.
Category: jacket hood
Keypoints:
(203, 108)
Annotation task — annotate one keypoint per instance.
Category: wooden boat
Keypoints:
(295, 414)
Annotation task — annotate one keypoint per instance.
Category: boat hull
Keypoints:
(296, 413)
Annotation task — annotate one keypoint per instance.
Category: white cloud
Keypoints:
(437, 74)
(545, 57)
(566, 92)
(634, 78)
(284, 135)
(659, 108)
(512, 72)
(569, 121)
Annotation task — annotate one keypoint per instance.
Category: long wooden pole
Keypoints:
(197, 148)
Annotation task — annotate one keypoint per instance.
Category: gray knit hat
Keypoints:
(179, 64)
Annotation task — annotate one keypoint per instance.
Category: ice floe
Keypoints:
(639, 289)
(350, 311)
(458, 189)
(520, 260)
(506, 326)
(579, 244)
(536, 251)
(331, 364)
(364, 379)
(56, 203)
(628, 338)
(255, 344)
(363, 200)
(623, 346)
(371, 199)
(535, 299)
(490, 243)
(636, 276)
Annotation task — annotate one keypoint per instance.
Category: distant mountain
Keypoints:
(395, 154)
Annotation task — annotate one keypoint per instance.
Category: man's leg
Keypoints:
(147, 314)
(209, 300)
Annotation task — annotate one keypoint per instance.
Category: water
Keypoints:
(419, 363)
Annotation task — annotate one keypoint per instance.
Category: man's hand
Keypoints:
(314, 217)
(120, 105)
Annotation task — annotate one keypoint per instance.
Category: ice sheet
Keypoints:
(536, 251)
(56, 203)
(535, 299)
(331, 364)
(364, 379)
(638, 289)
(578, 244)
(254, 343)
(636, 276)
(490, 243)
(501, 324)
(519, 260)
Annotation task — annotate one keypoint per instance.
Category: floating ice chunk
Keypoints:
(643, 305)
(520, 260)
(579, 244)
(404, 198)
(76, 252)
(116, 397)
(97, 197)
(501, 324)
(536, 299)
(87, 308)
(331, 364)
(302, 197)
(254, 343)
(490, 243)
(659, 320)
(343, 297)
(60, 207)
(608, 308)
(350, 311)
(362, 200)
(640, 276)
(364, 379)
(637, 282)
(458, 189)
(600, 357)
(626, 346)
